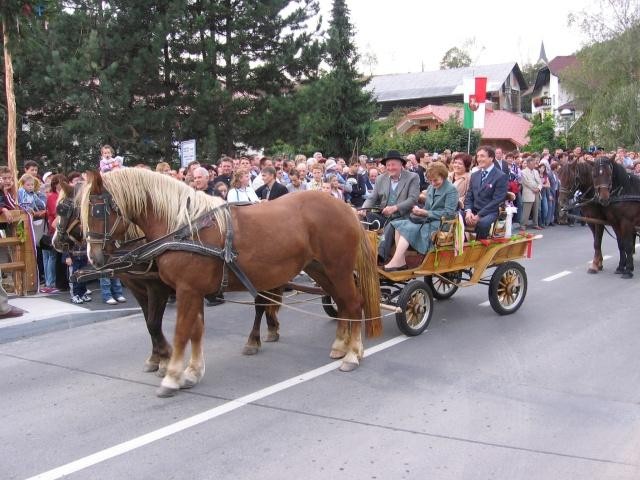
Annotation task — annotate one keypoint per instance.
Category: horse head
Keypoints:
(68, 230)
(101, 219)
(602, 172)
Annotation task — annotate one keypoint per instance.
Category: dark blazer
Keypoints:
(277, 190)
(485, 199)
(408, 190)
(504, 167)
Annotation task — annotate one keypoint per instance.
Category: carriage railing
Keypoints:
(18, 243)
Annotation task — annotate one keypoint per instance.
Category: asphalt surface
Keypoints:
(550, 392)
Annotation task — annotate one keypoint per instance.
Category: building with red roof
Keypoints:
(502, 129)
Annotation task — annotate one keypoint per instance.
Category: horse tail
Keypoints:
(369, 286)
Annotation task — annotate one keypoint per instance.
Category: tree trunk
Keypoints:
(11, 107)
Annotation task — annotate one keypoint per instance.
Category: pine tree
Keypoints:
(345, 109)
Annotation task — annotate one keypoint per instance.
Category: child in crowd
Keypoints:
(326, 187)
(336, 187)
(29, 198)
(108, 162)
(316, 180)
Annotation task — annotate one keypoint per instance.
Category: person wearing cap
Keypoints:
(331, 168)
(395, 193)
(487, 190)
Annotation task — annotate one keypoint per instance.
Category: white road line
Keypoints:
(205, 416)
(484, 304)
(556, 276)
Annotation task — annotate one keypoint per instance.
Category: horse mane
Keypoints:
(621, 178)
(136, 191)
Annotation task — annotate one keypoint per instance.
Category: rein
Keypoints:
(178, 240)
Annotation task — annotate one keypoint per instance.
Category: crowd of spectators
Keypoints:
(531, 177)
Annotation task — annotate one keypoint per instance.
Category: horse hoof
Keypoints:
(619, 271)
(593, 271)
(627, 275)
(600, 267)
(249, 350)
(150, 367)
(161, 372)
(336, 354)
(188, 383)
(348, 366)
(272, 337)
(165, 392)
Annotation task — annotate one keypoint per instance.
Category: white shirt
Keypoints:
(245, 194)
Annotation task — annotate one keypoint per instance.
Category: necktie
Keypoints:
(483, 177)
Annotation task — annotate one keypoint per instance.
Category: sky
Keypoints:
(411, 35)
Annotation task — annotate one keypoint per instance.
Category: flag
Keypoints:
(475, 94)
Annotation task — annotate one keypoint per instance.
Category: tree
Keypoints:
(542, 134)
(455, 57)
(344, 109)
(605, 81)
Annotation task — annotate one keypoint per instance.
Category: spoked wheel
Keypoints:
(507, 288)
(416, 303)
(443, 289)
(329, 306)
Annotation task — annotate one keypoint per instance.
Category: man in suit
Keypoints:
(395, 193)
(271, 189)
(487, 190)
(501, 162)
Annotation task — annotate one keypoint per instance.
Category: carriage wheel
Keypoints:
(329, 306)
(443, 289)
(507, 288)
(416, 302)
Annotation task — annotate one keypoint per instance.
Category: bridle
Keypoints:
(68, 222)
(101, 207)
(576, 185)
(599, 166)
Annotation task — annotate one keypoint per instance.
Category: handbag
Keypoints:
(45, 242)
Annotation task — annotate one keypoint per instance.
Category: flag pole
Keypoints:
(469, 142)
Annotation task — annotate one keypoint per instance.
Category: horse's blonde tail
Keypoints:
(369, 286)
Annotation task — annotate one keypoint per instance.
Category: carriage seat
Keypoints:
(499, 226)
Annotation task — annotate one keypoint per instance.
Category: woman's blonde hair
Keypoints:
(437, 168)
(237, 177)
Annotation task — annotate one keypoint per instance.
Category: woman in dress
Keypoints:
(241, 190)
(460, 176)
(441, 201)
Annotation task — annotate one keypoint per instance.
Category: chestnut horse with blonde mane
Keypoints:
(274, 241)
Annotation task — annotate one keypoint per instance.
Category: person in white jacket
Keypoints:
(531, 187)
(241, 190)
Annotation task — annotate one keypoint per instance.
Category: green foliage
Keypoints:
(606, 80)
(541, 134)
(455, 57)
(450, 136)
(529, 72)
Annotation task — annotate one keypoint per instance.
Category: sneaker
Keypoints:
(86, 297)
(121, 299)
(111, 301)
(45, 290)
(88, 292)
(53, 290)
(76, 299)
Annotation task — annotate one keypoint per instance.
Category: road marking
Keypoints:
(485, 304)
(205, 416)
(556, 276)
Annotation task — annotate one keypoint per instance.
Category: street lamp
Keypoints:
(566, 115)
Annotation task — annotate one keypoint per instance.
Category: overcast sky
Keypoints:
(404, 34)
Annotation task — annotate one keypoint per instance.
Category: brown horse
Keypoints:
(618, 191)
(575, 177)
(151, 293)
(274, 241)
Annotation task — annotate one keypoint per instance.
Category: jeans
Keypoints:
(78, 288)
(111, 288)
(49, 262)
(544, 207)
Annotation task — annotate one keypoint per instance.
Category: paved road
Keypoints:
(551, 392)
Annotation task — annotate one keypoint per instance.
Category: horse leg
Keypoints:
(158, 295)
(190, 311)
(195, 370)
(273, 325)
(597, 262)
(629, 245)
(253, 342)
(339, 347)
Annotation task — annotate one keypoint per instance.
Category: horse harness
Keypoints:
(179, 240)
